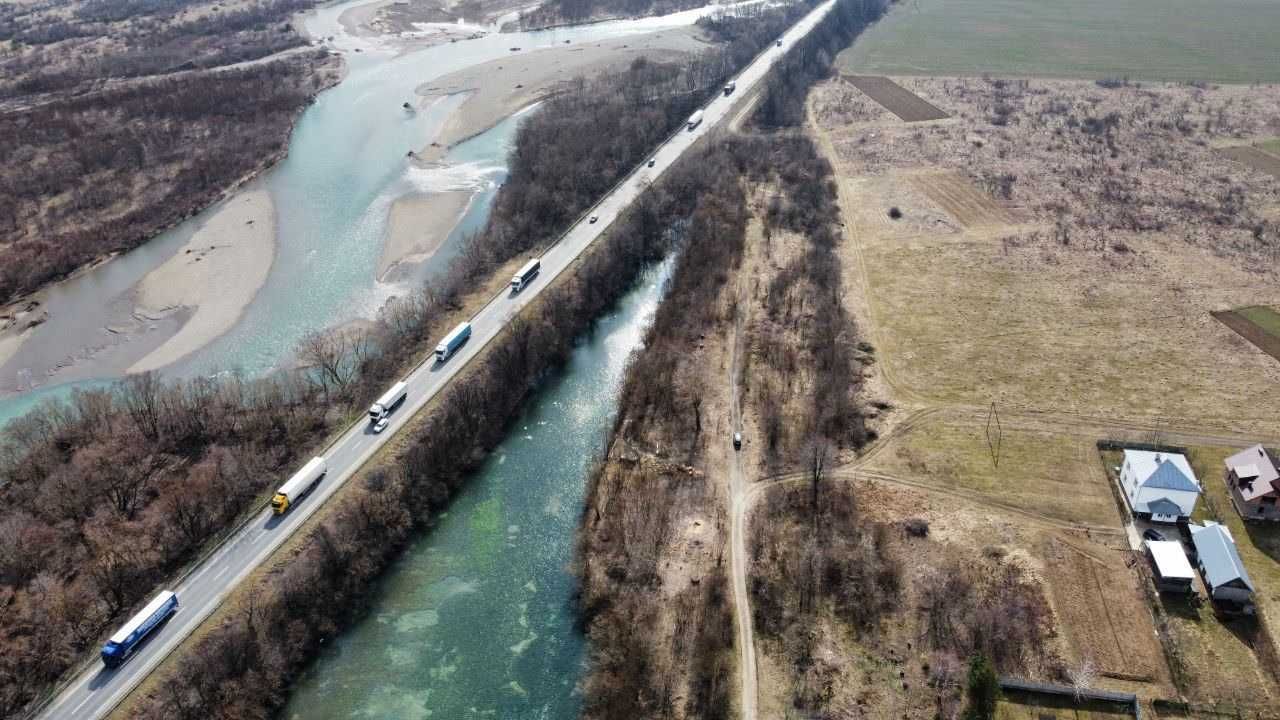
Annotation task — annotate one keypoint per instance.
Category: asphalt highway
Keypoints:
(95, 691)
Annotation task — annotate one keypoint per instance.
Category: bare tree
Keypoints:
(1083, 677)
(334, 357)
(141, 396)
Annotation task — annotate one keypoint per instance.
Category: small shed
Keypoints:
(1224, 575)
(1173, 570)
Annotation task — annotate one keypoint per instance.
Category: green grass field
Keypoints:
(1262, 316)
(1271, 146)
(1222, 41)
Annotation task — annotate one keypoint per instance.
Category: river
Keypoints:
(346, 165)
(475, 619)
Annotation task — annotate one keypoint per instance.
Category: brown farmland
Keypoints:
(897, 99)
(1255, 158)
(1247, 329)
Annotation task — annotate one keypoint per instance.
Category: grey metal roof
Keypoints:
(1164, 506)
(1218, 555)
(1168, 477)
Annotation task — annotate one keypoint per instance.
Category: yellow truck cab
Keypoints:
(299, 486)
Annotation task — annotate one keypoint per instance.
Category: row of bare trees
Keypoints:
(657, 650)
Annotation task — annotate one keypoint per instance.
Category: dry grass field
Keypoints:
(1052, 474)
(1060, 245)
(1057, 248)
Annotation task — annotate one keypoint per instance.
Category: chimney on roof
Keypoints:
(1157, 458)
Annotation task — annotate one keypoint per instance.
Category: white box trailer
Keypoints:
(299, 486)
(521, 280)
(389, 400)
(453, 341)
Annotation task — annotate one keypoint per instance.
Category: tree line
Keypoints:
(652, 486)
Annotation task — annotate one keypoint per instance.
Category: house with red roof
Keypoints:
(1253, 477)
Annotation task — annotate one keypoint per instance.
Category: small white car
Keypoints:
(594, 218)
(651, 162)
(381, 425)
(779, 43)
(737, 441)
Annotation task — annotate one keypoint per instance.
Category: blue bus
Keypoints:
(126, 640)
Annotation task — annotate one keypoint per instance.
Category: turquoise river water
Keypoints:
(475, 619)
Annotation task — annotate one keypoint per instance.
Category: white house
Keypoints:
(1159, 485)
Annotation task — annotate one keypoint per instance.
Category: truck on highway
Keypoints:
(729, 87)
(695, 119)
(453, 341)
(388, 402)
(299, 486)
(522, 278)
(127, 639)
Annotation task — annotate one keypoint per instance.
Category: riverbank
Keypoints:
(500, 88)
(417, 226)
(215, 275)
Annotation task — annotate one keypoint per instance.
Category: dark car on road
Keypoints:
(1153, 534)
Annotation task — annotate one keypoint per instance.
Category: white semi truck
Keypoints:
(695, 120)
(521, 279)
(299, 486)
(388, 402)
(453, 341)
